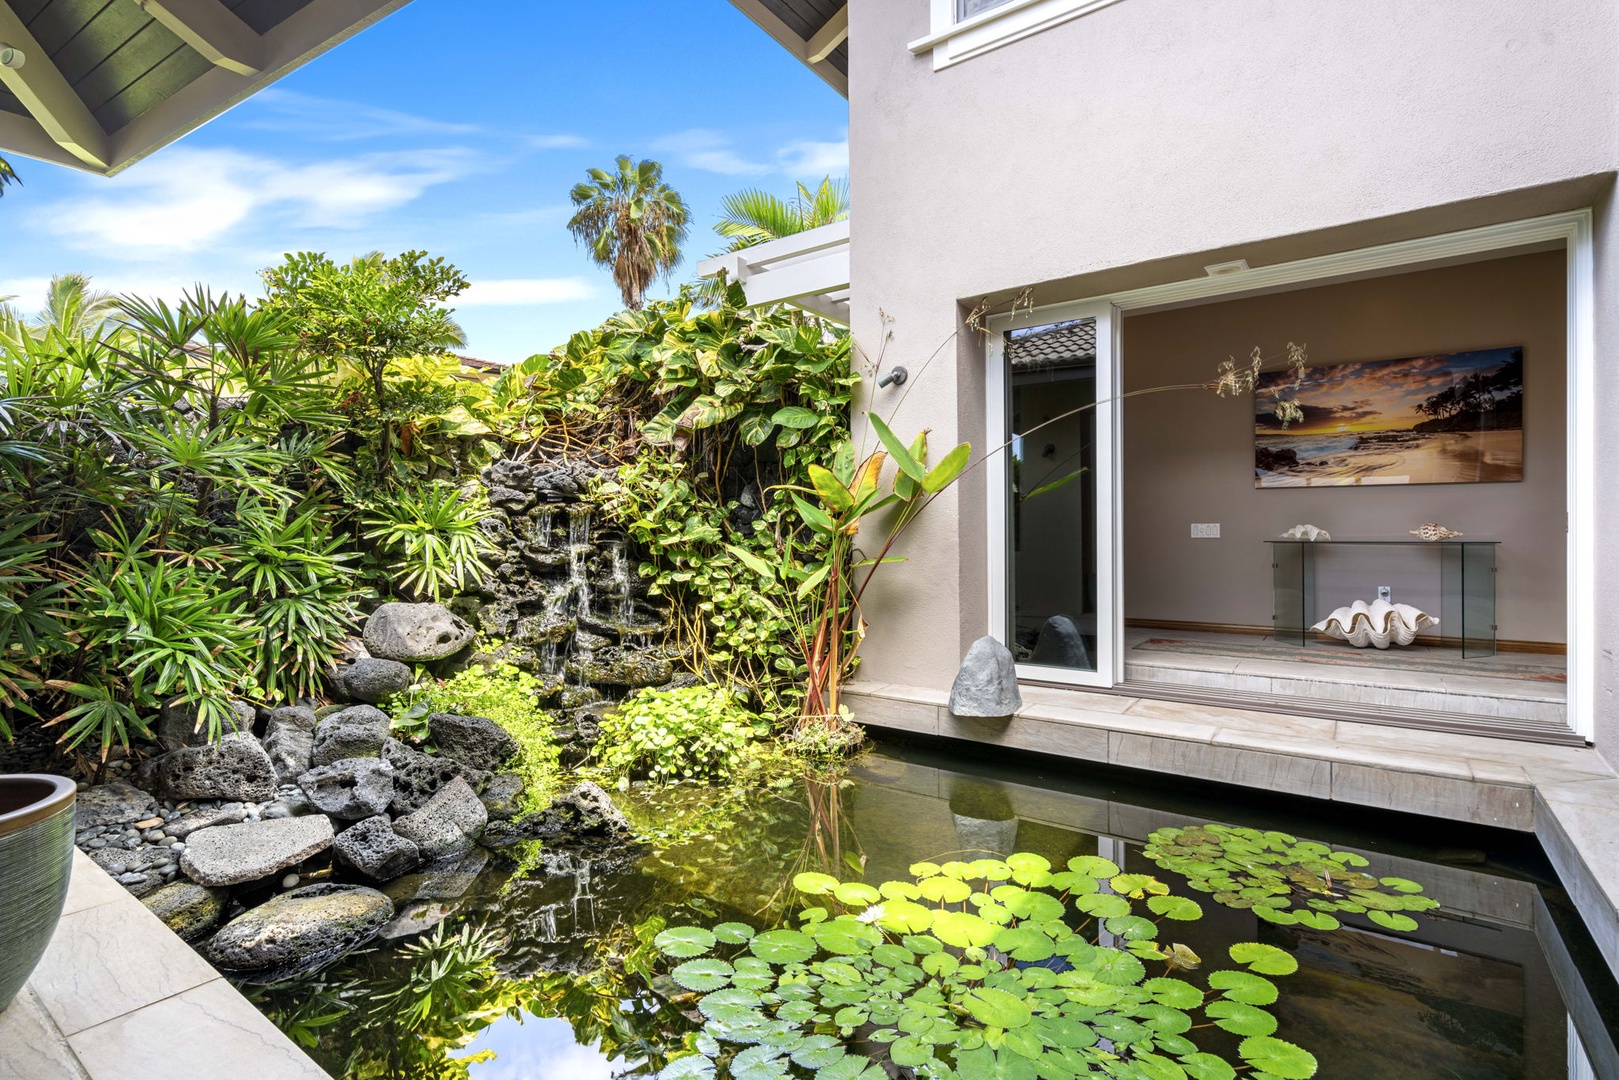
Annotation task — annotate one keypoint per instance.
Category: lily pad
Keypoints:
(682, 942)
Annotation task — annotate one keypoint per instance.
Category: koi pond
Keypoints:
(930, 913)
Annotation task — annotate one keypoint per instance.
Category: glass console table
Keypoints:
(1466, 588)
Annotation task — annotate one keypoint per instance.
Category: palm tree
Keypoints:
(8, 175)
(633, 224)
(74, 308)
(753, 217)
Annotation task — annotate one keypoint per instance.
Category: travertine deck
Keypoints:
(118, 997)
(1568, 796)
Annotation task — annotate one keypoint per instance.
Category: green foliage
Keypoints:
(1283, 879)
(972, 970)
(632, 222)
(8, 175)
(695, 733)
(428, 538)
(498, 692)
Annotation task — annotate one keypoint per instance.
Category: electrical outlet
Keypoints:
(1385, 593)
(1209, 531)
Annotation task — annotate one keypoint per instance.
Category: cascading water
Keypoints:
(540, 531)
(578, 552)
(621, 582)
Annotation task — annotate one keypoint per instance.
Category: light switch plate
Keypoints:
(1207, 531)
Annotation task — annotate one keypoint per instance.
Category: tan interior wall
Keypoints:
(1188, 456)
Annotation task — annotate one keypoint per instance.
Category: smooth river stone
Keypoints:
(232, 854)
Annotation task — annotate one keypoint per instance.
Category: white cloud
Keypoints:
(714, 151)
(188, 199)
(331, 120)
(525, 292)
(556, 142)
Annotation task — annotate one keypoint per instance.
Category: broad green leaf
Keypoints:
(832, 492)
(897, 450)
(1174, 907)
(1093, 866)
(1205, 1066)
(996, 1008)
(1265, 959)
(1244, 987)
(1278, 1057)
(906, 917)
(1240, 1019)
(857, 893)
(694, 1067)
(944, 890)
(796, 417)
(681, 942)
(1401, 885)
(733, 933)
(963, 929)
(702, 975)
(947, 470)
(1392, 920)
(811, 883)
(1174, 993)
(782, 946)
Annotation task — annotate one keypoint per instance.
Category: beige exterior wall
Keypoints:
(1139, 143)
(1188, 456)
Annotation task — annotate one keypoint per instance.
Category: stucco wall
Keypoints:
(1188, 456)
(1141, 142)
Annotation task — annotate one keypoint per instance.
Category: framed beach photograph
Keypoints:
(1453, 418)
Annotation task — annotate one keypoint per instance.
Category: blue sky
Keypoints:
(457, 126)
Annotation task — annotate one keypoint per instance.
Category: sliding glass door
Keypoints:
(1053, 586)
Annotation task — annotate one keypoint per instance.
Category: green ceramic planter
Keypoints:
(36, 857)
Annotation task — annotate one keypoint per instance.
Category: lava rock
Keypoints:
(986, 685)
(503, 795)
(232, 854)
(289, 739)
(375, 850)
(586, 815)
(189, 909)
(298, 931)
(350, 788)
(236, 767)
(1060, 644)
(447, 879)
(292, 803)
(622, 667)
(449, 824)
(418, 776)
(415, 632)
(358, 731)
(370, 679)
(472, 740)
(206, 818)
(112, 804)
(177, 723)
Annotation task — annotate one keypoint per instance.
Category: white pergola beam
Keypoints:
(826, 40)
(213, 29)
(48, 97)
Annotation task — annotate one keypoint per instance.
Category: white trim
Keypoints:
(951, 42)
(1571, 228)
(1107, 522)
(808, 270)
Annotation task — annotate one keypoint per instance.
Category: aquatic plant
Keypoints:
(693, 733)
(988, 969)
(1283, 879)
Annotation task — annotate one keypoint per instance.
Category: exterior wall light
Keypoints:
(896, 377)
(11, 57)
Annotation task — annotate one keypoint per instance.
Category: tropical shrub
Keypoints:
(986, 969)
(427, 538)
(694, 733)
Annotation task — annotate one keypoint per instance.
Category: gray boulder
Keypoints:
(375, 850)
(370, 679)
(503, 795)
(112, 804)
(177, 723)
(450, 823)
(189, 909)
(986, 685)
(232, 854)
(416, 632)
(472, 740)
(351, 788)
(205, 818)
(298, 931)
(236, 767)
(418, 776)
(448, 879)
(358, 731)
(289, 739)
(1060, 644)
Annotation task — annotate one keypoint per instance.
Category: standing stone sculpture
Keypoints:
(986, 685)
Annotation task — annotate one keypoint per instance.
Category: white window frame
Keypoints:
(1570, 229)
(1109, 658)
(951, 42)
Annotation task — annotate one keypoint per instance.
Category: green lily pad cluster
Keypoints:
(986, 970)
(1283, 879)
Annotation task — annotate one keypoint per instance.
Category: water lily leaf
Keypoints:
(1102, 905)
(693, 1067)
(1174, 907)
(1136, 885)
(702, 975)
(1265, 959)
(857, 894)
(799, 1012)
(1244, 987)
(733, 933)
(813, 884)
(1175, 993)
(782, 946)
(909, 1051)
(1275, 915)
(899, 890)
(818, 1051)
(941, 964)
(1392, 920)
(1240, 1019)
(1315, 920)
(890, 955)
(1401, 885)
(996, 1008)
(851, 1067)
(963, 929)
(758, 1063)
(1116, 968)
(906, 917)
(1278, 1057)
(1093, 866)
(681, 942)
(1132, 928)
(1025, 943)
(945, 890)
(845, 937)
(982, 1063)
(1070, 882)
(1038, 906)
(1205, 1066)
(924, 869)
(1162, 1019)
(1347, 858)
(1182, 958)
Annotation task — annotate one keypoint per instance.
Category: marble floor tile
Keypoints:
(30, 1046)
(1456, 798)
(89, 885)
(1224, 764)
(206, 1032)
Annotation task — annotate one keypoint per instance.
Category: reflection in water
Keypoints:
(1469, 995)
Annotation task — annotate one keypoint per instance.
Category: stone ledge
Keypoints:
(1567, 796)
(112, 975)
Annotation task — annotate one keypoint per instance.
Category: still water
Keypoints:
(1499, 983)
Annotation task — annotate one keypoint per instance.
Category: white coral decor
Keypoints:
(1378, 624)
